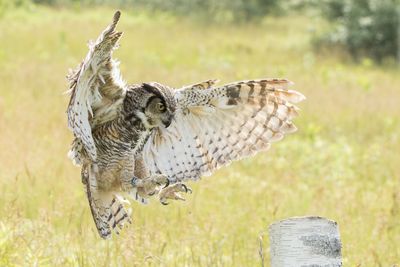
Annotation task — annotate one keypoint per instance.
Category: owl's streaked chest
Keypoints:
(116, 155)
(115, 142)
(143, 136)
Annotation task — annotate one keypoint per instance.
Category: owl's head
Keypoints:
(152, 103)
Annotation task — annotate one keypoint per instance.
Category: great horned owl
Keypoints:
(146, 139)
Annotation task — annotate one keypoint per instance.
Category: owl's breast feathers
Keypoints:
(119, 138)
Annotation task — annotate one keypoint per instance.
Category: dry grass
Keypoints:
(343, 163)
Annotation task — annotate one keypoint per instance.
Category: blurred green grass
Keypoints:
(343, 163)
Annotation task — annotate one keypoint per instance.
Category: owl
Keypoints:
(138, 141)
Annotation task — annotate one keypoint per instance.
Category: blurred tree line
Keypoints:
(364, 27)
(214, 10)
(368, 28)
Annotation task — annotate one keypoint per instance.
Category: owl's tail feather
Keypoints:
(108, 209)
(118, 215)
(109, 214)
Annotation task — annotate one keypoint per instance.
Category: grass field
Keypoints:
(343, 163)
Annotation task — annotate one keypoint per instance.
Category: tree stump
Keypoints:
(305, 241)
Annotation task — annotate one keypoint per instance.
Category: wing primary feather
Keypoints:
(95, 81)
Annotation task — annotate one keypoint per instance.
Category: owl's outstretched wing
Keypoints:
(96, 88)
(214, 126)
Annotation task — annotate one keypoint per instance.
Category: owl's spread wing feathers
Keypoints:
(96, 88)
(214, 126)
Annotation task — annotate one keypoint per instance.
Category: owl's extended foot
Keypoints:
(173, 192)
(149, 186)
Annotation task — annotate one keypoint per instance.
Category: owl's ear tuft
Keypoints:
(151, 88)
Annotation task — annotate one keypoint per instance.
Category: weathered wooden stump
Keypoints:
(305, 241)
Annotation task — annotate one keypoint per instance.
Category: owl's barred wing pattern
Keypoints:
(201, 85)
(215, 126)
(96, 88)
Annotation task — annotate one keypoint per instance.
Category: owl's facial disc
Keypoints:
(157, 113)
(152, 103)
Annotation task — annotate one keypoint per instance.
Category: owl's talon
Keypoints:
(173, 192)
(149, 186)
(166, 184)
(187, 189)
(160, 179)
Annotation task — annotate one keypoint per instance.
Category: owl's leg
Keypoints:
(173, 192)
(146, 184)
(149, 186)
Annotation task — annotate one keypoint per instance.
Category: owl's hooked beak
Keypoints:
(168, 122)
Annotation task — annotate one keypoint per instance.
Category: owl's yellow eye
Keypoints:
(160, 107)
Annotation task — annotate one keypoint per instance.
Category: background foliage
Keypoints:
(364, 27)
